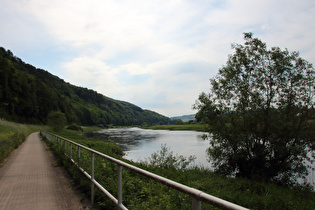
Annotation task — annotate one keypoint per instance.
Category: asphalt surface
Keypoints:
(29, 180)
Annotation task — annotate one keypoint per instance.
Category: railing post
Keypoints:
(119, 180)
(65, 142)
(70, 151)
(196, 204)
(79, 155)
(92, 178)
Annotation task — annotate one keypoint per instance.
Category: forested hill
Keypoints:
(185, 118)
(28, 94)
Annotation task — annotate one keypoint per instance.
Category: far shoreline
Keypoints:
(189, 127)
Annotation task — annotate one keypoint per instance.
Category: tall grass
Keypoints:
(13, 134)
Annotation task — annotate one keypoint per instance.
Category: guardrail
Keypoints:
(197, 195)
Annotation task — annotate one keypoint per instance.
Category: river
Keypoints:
(139, 144)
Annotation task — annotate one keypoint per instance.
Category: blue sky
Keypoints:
(157, 54)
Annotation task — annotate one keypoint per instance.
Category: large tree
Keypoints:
(261, 113)
(56, 120)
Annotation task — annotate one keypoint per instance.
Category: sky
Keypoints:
(157, 54)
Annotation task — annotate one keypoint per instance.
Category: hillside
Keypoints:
(28, 94)
(185, 118)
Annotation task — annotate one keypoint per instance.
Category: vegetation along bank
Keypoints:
(142, 193)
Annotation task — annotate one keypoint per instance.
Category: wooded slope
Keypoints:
(28, 94)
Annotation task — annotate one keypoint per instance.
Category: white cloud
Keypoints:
(90, 73)
(158, 54)
(134, 68)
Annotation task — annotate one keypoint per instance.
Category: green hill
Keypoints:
(28, 94)
(185, 118)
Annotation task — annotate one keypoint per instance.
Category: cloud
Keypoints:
(90, 73)
(157, 54)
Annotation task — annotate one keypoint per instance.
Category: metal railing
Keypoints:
(197, 195)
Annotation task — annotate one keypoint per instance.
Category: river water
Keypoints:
(139, 144)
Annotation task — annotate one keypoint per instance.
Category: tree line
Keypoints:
(29, 94)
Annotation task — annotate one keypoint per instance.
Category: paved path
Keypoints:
(30, 181)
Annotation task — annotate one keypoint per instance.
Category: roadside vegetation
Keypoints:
(143, 193)
(13, 134)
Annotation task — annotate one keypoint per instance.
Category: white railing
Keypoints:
(197, 195)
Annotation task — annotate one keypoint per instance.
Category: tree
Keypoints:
(56, 120)
(260, 111)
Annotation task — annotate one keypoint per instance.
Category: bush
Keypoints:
(74, 127)
(56, 120)
(165, 159)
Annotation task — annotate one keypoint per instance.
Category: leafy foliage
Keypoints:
(28, 94)
(74, 127)
(56, 120)
(165, 159)
(261, 111)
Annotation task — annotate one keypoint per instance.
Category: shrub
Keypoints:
(74, 127)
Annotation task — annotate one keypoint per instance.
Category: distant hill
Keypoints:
(185, 118)
(28, 94)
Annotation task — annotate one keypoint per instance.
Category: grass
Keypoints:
(193, 127)
(143, 193)
(12, 135)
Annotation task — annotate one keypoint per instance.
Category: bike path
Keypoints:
(29, 180)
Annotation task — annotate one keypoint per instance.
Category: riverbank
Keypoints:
(142, 193)
(190, 127)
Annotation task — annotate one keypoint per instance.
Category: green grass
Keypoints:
(194, 127)
(143, 193)
(13, 134)
(101, 146)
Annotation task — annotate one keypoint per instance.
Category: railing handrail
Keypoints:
(197, 195)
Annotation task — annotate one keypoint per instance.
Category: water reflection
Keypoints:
(127, 138)
(139, 144)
